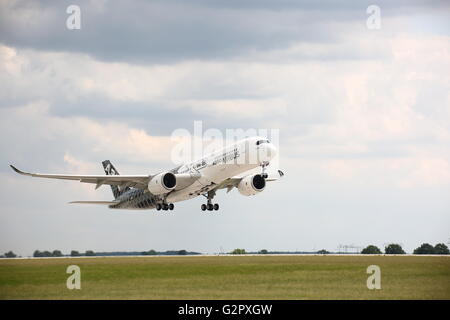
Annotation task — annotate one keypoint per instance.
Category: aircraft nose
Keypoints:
(271, 150)
(267, 152)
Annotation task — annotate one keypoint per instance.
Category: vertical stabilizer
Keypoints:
(111, 171)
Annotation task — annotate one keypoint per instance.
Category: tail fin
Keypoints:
(111, 171)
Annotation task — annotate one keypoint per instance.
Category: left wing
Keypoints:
(136, 181)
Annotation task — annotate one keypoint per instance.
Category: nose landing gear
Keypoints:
(263, 167)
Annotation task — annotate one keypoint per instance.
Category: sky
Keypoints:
(363, 116)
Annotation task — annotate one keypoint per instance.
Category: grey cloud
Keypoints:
(157, 118)
(171, 31)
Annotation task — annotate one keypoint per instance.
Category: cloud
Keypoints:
(351, 109)
(83, 138)
(173, 31)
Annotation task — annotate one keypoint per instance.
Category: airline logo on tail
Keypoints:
(109, 168)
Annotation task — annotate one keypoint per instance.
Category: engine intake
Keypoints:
(162, 183)
(251, 185)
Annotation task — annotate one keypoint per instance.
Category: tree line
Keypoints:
(393, 248)
(90, 253)
(58, 253)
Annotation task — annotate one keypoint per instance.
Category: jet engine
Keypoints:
(251, 185)
(162, 183)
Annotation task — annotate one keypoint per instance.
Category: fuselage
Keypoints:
(209, 171)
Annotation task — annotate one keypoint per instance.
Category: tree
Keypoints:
(394, 248)
(149, 253)
(46, 253)
(371, 249)
(263, 251)
(89, 253)
(74, 253)
(323, 251)
(425, 248)
(441, 248)
(10, 254)
(238, 251)
(182, 252)
(56, 253)
(37, 254)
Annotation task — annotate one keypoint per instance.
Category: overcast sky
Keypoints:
(363, 116)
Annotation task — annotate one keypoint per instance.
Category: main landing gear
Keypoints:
(164, 206)
(209, 205)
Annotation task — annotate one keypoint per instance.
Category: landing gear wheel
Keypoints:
(158, 206)
(216, 206)
(210, 207)
(203, 207)
(165, 207)
(171, 206)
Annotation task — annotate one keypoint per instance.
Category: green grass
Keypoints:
(228, 277)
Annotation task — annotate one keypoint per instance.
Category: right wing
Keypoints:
(136, 181)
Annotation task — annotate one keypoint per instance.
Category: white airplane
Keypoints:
(218, 170)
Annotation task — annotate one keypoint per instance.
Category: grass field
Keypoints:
(228, 277)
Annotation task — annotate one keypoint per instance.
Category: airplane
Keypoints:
(222, 169)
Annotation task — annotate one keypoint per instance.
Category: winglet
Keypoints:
(275, 176)
(19, 171)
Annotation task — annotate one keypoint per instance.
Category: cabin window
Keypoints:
(261, 142)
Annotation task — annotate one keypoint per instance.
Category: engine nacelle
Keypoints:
(162, 183)
(251, 185)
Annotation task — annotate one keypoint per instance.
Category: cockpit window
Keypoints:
(261, 142)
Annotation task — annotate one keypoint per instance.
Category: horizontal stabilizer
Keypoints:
(95, 202)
